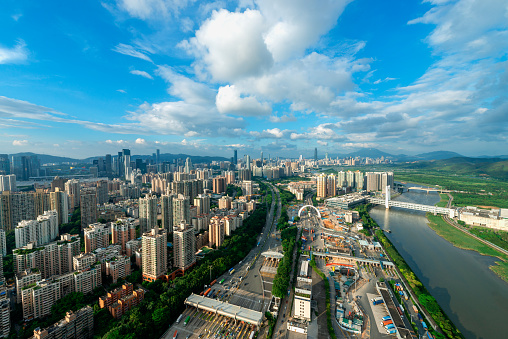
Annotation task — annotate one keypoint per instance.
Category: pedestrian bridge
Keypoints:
(417, 207)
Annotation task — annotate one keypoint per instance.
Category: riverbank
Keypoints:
(425, 299)
(462, 240)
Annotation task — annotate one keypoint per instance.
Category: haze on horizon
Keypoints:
(80, 79)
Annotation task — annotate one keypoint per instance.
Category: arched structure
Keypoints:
(301, 209)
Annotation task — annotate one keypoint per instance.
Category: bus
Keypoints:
(179, 318)
(186, 321)
(231, 271)
(222, 281)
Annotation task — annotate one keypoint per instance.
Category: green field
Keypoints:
(444, 200)
(462, 240)
(499, 238)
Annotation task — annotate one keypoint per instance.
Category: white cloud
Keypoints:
(230, 101)
(322, 143)
(131, 51)
(190, 91)
(140, 141)
(295, 25)
(142, 73)
(230, 45)
(282, 119)
(17, 54)
(121, 91)
(152, 9)
(20, 142)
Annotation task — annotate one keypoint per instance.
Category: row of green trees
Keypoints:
(286, 197)
(165, 301)
(288, 235)
(329, 324)
(424, 297)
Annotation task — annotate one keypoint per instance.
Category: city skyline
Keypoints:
(279, 77)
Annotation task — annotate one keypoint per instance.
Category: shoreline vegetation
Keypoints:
(464, 241)
(425, 299)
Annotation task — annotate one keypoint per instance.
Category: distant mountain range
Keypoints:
(436, 155)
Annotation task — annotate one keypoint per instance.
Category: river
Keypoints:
(473, 297)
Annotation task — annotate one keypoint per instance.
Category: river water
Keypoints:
(473, 297)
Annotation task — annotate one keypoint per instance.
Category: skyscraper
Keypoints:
(102, 192)
(235, 157)
(72, 187)
(5, 165)
(148, 213)
(59, 201)
(122, 231)
(315, 154)
(96, 236)
(247, 162)
(167, 212)
(158, 157)
(184, 246)
(154, 251)
(88, 203)
(181, 210)
(202, 202)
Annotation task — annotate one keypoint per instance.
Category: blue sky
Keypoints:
(84, 78)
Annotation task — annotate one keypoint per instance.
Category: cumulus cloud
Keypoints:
(230, 100)
(14, 55)
(230, 45)
(190, 91)
(141, 73)
(20, 142)
(140, 141)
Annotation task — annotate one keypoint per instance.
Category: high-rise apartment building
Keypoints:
(5, 164)
(247, 187)
(148, 213)
(8, 183)
(75, 325)
(225, 202)
(15, 207)
(37, 300)
(59, 201)
(41, 231)
(122, 231)
(88, 203)
(216, 232)
(331, 186)
(51, 259)
(26, 278)
(184, 246)
(5, 316)
(167, 212)
(230, 177)
(3, 243)
(321, 186)
(202, 203)
(96, 236)
(219, 185)
(155, 254)
(118, 267)
(181, 210)
(102, 192)
(72, 188)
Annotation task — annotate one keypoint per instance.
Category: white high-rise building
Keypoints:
(181, 210)
(154, 249)
(184, 246)
(167, 211)
(72, 188)
(59, 201)
(148, 213)
(202, 202)
(41, 231)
